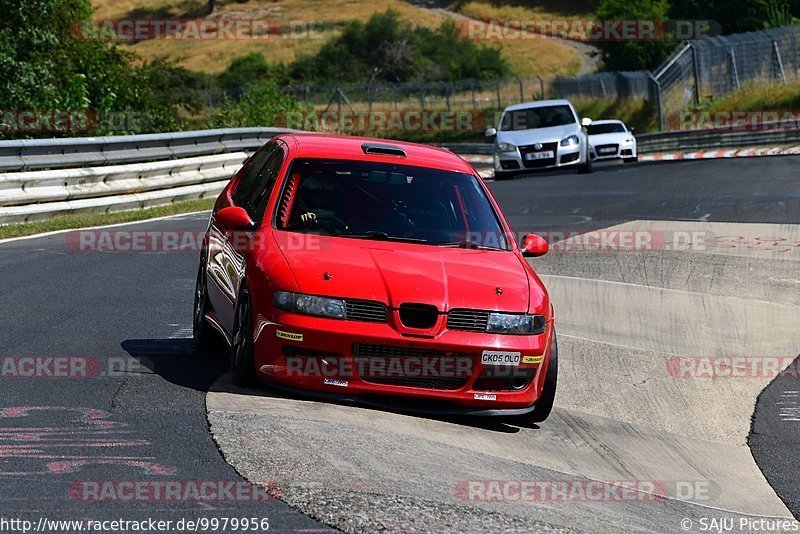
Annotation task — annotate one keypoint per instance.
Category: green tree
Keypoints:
(388, 48)
(634, 55)
(259, 107)
(48, 62)
(736, 16)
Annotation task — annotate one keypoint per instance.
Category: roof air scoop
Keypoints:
(383, 150)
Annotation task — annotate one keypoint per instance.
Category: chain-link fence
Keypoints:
(464, 94)
(697, 71)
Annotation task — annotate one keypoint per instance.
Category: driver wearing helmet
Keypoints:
(319, 203)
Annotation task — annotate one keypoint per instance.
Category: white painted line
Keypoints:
(56, 232)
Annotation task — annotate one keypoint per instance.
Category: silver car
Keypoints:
(611, 139)
(540, 135)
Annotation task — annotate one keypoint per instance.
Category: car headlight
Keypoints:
(627, 141)
(309, 304)
(505, 147)
(507, 323)
(572, 140)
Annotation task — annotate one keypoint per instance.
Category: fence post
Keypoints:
(695, 73)
(659, 103)
(734, 70)
(497, 90)
(541, 88)
(778, 61)
(521, 91)
(474, 101)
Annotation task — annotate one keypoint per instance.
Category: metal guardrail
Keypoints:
(128, 172)
(34, 154)
(768, 134)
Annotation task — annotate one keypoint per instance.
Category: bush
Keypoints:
(258, 107)
(389, 49)
(634, 55)
(736, 16)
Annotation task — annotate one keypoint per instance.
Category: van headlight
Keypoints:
(507, 323)
(310, 304)
(572, 140)
(505, 147)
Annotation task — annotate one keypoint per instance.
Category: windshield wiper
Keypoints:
(383, 236)
(467, 243)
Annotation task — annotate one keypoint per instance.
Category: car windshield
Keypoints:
(369, 200)
(607, 128)
(537, 117)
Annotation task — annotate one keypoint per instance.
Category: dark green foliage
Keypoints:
(388, 48)
(634, 54)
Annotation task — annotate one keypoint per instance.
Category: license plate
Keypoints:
(547, 154)
(493, 357)
(607, 150)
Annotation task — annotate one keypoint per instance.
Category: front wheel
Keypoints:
(634, 159)
(204, 335)
(544, 405)
(500, 175)
(586, 167)
(242, 349)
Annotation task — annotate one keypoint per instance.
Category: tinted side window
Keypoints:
(249, 180)
(259, 195)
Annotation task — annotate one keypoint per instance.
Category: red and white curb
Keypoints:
(723, 154)
(670, 156)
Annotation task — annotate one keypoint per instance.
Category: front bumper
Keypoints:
(518, 161)
(326, 357)
(620, 152)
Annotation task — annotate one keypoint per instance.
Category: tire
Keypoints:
(586, 168)
(206, 338)
(634, 159)
(544, 405)
(498, 175)
(243, 367)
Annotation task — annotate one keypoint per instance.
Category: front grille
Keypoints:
(419, 315)
(471, 320)
(365, 310)
(432, 369)
(534, 163)
(601, 150)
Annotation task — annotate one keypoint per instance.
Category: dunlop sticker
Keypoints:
(289, 335)
(532, 359)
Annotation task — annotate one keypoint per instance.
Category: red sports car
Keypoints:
(377, 272)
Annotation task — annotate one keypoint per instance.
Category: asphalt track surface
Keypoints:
(619, 415)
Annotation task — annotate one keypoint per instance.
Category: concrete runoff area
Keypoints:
(632, 403)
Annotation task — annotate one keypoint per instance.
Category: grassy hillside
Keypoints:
(528, 58)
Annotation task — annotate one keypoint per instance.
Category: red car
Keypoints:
(376, 272)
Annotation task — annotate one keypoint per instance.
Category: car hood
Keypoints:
(539, 135)
(609, 138)
(397, 273)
